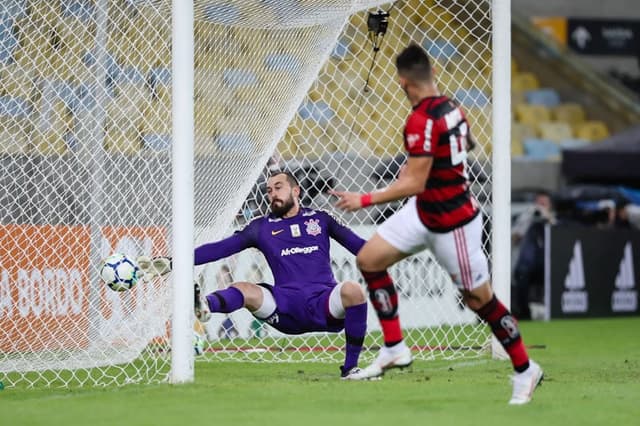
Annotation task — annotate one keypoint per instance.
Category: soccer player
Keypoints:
(440, 214)
(305, 296)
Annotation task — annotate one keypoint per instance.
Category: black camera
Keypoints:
(378, 22)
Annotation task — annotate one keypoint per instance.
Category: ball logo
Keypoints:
(313, 227)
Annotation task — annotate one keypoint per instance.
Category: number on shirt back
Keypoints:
(458, 143)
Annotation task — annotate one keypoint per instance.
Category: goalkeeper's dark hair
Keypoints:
(413, 64)
(290, 177)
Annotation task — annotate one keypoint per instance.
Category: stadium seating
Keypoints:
(573, 143)
(520, 132)
(46, 42)
(473, 97)
(571, 113)
(554, 131)
(546, 97)
(591, 130)
(541, 149)
(532, 114)
(524, 81)
(55, 122)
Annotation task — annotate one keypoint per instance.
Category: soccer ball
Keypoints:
(198, 343)
(119, 272)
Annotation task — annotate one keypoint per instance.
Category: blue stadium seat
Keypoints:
(237, 78)
(14, 9)
(472, 97)
(574, 143)
(440, 49)
(282, 62)
(14, 107)
(64, 90)
(156, 142)
(222, 13)
(540, 149)
(318, 111)
(131, 75)
(546, 97)
(160, 75)
(341, 49)
(8, 40)
(238, 142)
(80, 9)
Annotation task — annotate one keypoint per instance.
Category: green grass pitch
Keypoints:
(592, 370)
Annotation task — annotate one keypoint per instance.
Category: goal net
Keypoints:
(347, 134)
(85, 146)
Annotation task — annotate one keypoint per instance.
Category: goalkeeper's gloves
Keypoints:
(153, 267)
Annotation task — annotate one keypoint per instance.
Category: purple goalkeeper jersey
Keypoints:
(296, 248)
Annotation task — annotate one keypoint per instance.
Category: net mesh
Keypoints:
(85, 141)
(347, 134)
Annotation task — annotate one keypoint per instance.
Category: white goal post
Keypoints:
(148, 126)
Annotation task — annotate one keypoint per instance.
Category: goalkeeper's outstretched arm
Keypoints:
(153, 267)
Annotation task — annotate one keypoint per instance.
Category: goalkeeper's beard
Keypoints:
(282, 207)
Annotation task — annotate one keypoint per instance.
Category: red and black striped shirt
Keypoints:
(437, 127)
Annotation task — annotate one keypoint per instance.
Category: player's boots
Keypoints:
(525, 383)
(200, 305)
(355, 373)
(398, 356)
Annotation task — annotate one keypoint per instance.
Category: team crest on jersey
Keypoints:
(313, 227)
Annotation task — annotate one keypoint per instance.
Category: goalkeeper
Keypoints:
(305, 296)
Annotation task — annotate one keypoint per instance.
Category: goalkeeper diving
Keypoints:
(305, 296)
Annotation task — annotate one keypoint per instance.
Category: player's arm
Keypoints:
(152, 267)
(345, 236)
(226, 247)
(420, 140)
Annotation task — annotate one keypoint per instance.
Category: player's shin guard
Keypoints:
(225, 301)
(505, 327)
(384, 298)
(355, 328)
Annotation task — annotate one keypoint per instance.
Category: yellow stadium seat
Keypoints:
(518, 97)
(521, 131)
(591, 131)
(34, 43)
(17, 81)
(75, 35)
(517, 149)
(55, 121)
(532, 114)
(14, 135)
(571, 113)
(46, 10)
(123, 140)
(554, 131)
(524, 81)
(157, 118)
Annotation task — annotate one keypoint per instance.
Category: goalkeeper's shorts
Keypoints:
(302, 308)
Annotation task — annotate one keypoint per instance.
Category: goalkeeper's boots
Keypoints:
(355, 373)
(397, 356)
(525, 383)
(200, 306)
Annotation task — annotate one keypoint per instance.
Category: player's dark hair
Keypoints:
(290, 177)
(413, 63)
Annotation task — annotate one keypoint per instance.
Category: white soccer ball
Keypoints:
(198, 343)
(119, 272)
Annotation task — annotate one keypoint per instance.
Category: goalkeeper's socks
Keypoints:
(505, 327)
(225, 301)
(384, 298)
(355, 328)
